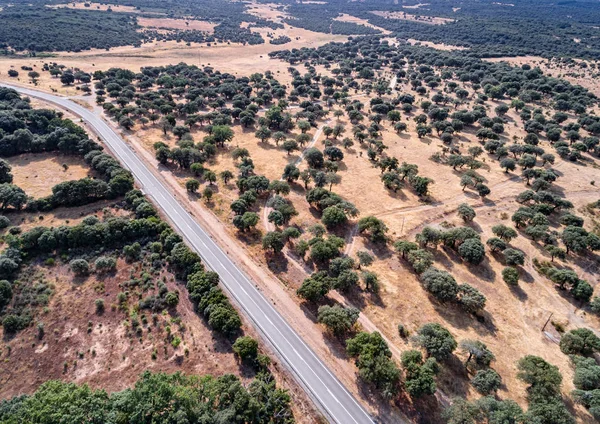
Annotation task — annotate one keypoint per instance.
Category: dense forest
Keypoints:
(20, 27)
(164, 398)
(488, 28)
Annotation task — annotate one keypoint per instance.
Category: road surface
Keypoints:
(326, 390)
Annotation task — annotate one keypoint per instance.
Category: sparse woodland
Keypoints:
(447, 200)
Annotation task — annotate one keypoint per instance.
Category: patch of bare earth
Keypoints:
(438, 46)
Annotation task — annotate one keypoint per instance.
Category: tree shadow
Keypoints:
(277, 263)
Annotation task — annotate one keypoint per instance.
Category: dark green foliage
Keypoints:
(460, 412)
(510, 275)
(486, 381)
(500, 411)
(543, 378)
(337, 319)
(436, 340)
(157, 398)
(587, 373)
(513, 257)
(273, 241)
(315, 288)
(472, 250)
(373, 361)
(440, 284)
(246, 348)
(204, 291)
(466, 212)
(6, 293)
(374, 227)
(470, 299)
(581, 341)
(420, 375)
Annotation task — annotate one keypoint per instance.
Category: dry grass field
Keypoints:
(160, 23)
(513, 315)
(37, 173)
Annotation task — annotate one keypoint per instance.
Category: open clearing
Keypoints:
(37, 173)
(99, 6)
(233, 58)
(438, 46)
(162, 23)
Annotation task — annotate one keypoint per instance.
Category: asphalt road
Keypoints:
(325, 389)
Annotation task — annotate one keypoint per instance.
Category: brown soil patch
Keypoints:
(108, 356)
(37, 173)
(438, 46)
(433, 20)
(182, 24)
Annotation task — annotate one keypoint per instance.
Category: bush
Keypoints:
(581, 341)
(337, 319)
(513, 257)
(80, 267)
(419, 374)
(486, 381)
(105, 264)
(4, 222)
(436, 340)
(99, 306)
(246, 348)
(472, 250)
(6, 293)
(470, 299)
(440, 284)
(510, 275)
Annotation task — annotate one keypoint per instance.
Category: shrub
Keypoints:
(79, 267)
(99, 305)
(436, 340)
(581, 341)
(486, 381)
(337, 319)
(510, 275)
(105, 264)
(246, 348)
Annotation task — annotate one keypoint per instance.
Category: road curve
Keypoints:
(325, 389)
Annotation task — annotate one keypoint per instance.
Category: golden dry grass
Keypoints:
(235, 58)
(97, 6)
(181, 24)
(37, 173)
